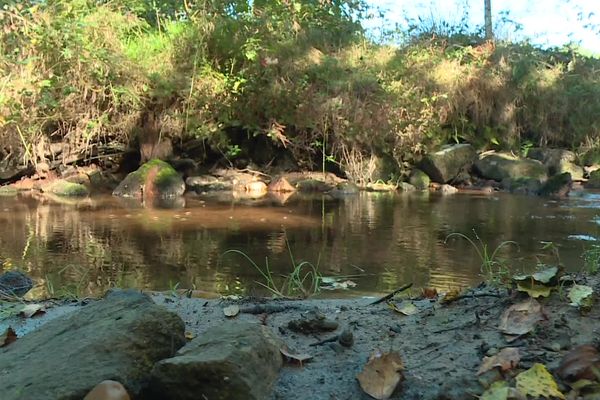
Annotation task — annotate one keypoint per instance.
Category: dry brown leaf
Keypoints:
(299, 358)
(381, 375)
(7, 337)
(231, 311)
(32, 310)
(579, 363)
(108, 390)
(521, 318)
(451, 296)
(429, 293)
(506, 359)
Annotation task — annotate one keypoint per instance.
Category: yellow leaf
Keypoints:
(538, 383)
(381, 375)
(406, 308)
(534, 290)
(498, 391)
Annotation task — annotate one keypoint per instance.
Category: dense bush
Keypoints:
(299, 72)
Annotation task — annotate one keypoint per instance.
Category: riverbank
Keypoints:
(441, 342)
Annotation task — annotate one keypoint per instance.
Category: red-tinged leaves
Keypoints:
(580, 363)
(7, 337)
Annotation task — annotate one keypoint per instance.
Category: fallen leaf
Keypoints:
(450, 295)
(581, 296)
(579, 363)
(537, 383)
(189, 335)
(497, 391)
(32, 310)
(7, 337)
(521, 318)
(300, 358)
(534, 290)
(231, 311)
(406, 308)
(506, 359)
(547, 275)
(429, 293)
(381, 375)
(540, 283)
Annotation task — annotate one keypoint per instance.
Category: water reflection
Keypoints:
(382, 240)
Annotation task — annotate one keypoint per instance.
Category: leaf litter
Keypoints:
(381, 375)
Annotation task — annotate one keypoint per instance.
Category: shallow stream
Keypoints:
(379, 241)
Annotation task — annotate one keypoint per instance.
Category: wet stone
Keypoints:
(14, 283)
(312, 322)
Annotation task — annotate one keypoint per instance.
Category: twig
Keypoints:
(389, 296)
(328, 340)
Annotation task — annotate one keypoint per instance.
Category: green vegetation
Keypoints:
(494, 268)
(304, 281)
(300, 74)
(591, 259)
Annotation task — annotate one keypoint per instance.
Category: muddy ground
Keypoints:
(442, 345)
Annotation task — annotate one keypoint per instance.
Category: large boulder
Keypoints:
(118, 338)
(154, 179)
(65, 188)
(236, 360)
(558, 161)
(419, 179)
(501, 166)
(557, 186)
(444, 165)
(208, 183)
(594, 181)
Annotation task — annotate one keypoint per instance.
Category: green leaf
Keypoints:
(498, 391)
(538, 383)
(534, 290)
(581, 296)
(546, 275)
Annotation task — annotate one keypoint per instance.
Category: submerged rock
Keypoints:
(154, 179)
(119, 337)
(557, 186)
(8, 191)
(501, 166)
(419, 179)
(444, 165)
(313, 185)
(64, 188)
(524, 185)
(14, 283)
(281, 185)
(236, 360)
(207, 183)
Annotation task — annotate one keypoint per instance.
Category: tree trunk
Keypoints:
(489, 33)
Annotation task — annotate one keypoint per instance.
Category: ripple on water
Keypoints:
(586, 238)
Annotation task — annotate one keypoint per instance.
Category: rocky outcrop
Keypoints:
(501, 166)
(155, 179)
(118, 338)
(419, 179)
(444, 165)
(236, 360)
(557, 161)
(594, 180)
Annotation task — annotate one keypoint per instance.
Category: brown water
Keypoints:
(381, 241)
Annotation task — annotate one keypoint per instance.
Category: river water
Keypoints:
(379, 241)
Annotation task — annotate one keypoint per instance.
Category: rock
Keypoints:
(594, 180)
(345, 189)
(406, 187)
(313, 185)
(154, 179)
(235, 360)
(448, 189)
(525, 185)
(419, 179)
(500, 166)
(381, 187)
(346, 338)
(557, 186)
(108, 390)
(207, 183)
(280, 185)
(312, 322)
(256, 188)
(8, 191)
(557, 161)
(327, 177)
(121, 336)
(444, 165)
(591, 157)
(61, 187)
(14, 283)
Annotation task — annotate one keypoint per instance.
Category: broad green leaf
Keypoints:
(534, 290)
(546, 275)
(406, 308)
(498, 391)
(538, 383)
(581, 296)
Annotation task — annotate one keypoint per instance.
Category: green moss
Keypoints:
(419, 179)
(67, 189)
(594, 181)
(557, 185)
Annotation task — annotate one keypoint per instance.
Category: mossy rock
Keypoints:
(8, 191)
(154, 179)
(522, 185)
(313, 185)
(419, 179)
(592, 157)
(406, 187)
(65, 188)
(557, 186)
(345, 188)
(444, 165)
(501, 166)
(594, 181)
